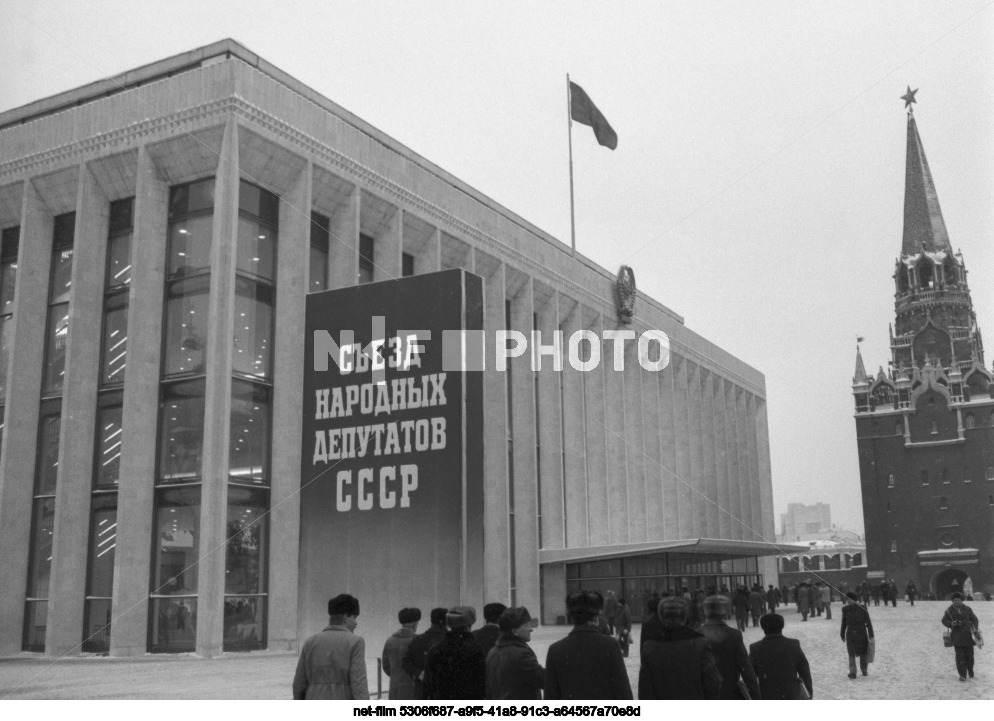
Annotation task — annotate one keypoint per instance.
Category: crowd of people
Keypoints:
(687, 649)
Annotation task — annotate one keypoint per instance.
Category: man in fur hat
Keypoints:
(456, 668)
(332, 663)
(401, 684)
(729, 650)
(779, 662)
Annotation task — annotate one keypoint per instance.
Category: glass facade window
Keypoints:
(181, 431)
(245, 565)
(100, 576)
(115, 339)
(256, 249)
(190, 246)
(250, 432)
(173, 612)
(245, 569)
(55, 349)
(366, 262)
(9, 242)
(35, 625)
(119, 243)
(253, 335)
(43, 521)
(258, 218)
(185, 344)
(191, 198)
(191, 225)
(47, 460)
(110, 412)
(318, 266)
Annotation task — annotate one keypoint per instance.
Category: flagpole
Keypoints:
(572, 216)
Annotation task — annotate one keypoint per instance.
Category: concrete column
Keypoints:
(681, 428)
(288, 379)
(136, 492)
(574, 482)
(732, 451)
(725, 521)
(217, 401)
(634, 443)
(756, 521)
(17, 460)
(550, 433)
(386, 257)
(495, 526)
(599, 475)
(765, 471)
(670, 491)
(742, 442)
(615, 434)
(652, 410)
(712, 509)
(696, 441)
(79, 405)
(343, 244)
(526, 541)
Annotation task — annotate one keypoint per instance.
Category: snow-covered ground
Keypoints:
(911, 663)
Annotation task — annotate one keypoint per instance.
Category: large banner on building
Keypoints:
(391, 496)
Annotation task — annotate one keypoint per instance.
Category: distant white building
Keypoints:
(800, 520)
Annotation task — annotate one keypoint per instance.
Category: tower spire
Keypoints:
(924, 228)
(860, 374)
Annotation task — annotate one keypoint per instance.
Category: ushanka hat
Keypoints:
(460, 617)
(716, 607)
(409, 615)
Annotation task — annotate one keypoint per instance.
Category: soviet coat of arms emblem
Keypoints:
(625, 288)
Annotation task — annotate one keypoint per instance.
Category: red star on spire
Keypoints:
(909, 97)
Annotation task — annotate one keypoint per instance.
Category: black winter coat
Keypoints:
(961, 620)
(781, 667)
(731, 658)
(513, 671)
(680, 666)
(455, 668)
(857, 629)
(414, 660)
(586, 665)
(487, 637)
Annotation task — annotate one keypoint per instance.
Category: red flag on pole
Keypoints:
(583, 110)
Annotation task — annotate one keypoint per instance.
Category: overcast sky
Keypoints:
(758, 184)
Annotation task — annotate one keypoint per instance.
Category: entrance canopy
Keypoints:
(713, 546)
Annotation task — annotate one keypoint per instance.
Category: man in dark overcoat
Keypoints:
(681, 665)
(401, 683)
(586, 664)
(962, 622)
(513, 671)
(857, 630)
(455, 668)
(779, 662)
(729, 650)
(740, 603)
(803, 600)
(652, 626)
(487, 635)
(414, 659)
